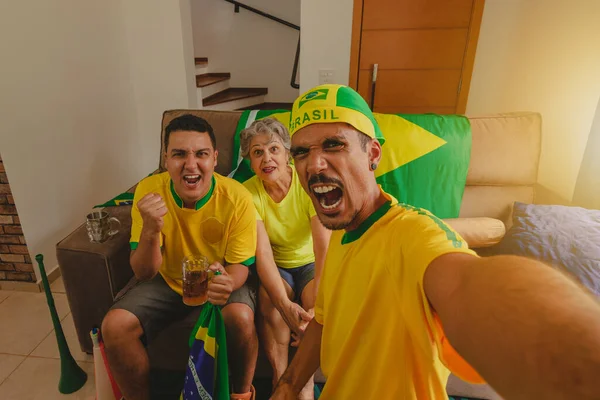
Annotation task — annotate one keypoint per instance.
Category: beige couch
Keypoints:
(503, 169)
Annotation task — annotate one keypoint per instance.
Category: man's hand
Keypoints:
(297, 318)
(283, 391)
(220, 286)
(152, 209)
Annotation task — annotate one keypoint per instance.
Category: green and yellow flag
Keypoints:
(207, 374)
(425, 160)
(124, 199)
(425, 156)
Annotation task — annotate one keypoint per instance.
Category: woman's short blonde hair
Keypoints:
(265, 126)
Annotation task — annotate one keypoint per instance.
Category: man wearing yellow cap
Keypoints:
(399, 286)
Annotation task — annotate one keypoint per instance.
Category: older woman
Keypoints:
(292, 242)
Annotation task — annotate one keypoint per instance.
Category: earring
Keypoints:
(373, 166)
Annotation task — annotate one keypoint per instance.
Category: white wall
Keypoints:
(542, 55)
(326, 32)
(587, 189)
(161, 57)
(256, 51)
(83, 85)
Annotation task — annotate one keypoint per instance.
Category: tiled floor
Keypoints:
(29, 358)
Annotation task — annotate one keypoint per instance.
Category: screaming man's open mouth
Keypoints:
(329, 196)
(191, 180)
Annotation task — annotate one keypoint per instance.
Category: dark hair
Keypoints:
(189, 122)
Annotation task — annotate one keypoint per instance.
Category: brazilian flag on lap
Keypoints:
(207, 375)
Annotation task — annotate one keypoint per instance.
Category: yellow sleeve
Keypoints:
(241, 245)
(424, 238)
(319, 302)
(319, 309)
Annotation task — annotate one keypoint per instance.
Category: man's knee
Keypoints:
(120, 325)
(308, 295)
(239, 318)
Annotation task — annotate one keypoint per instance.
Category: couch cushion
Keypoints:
(506, 149)
(223, 123)
(493, 201)
(478, 232)
(504, 162)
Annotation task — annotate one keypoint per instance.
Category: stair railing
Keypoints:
(239, 5)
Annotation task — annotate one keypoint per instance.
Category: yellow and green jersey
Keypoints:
(222, 226)
(381, 338)
(287, 223)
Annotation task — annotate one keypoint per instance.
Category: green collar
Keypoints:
(355, 234)
(200, 202)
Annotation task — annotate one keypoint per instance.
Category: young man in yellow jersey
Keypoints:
(187, 210)
(399, 286)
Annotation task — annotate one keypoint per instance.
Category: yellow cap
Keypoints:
(334, 103)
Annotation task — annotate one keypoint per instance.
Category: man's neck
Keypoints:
(374, 200)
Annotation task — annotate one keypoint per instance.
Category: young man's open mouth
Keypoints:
(191, 181)
(329, 197)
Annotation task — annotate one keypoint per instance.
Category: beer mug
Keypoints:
(196, 276)
(98, 224)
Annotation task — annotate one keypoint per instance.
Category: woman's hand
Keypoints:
(296, 317)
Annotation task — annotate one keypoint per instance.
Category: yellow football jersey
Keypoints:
(222, 226)
(381, 339)
(287, 223)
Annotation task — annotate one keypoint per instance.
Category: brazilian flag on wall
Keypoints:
(425, 157)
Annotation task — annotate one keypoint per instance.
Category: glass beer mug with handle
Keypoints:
(196, 276)
(99, 225)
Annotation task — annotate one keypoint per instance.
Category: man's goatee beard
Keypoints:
(337, 226)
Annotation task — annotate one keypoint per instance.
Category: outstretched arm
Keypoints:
(303, 366)
(530, 331)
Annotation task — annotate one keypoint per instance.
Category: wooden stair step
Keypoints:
(201, 60)
(233, 94)
(269, 106)
(210, 78)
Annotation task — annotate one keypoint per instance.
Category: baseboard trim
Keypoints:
(32, 287)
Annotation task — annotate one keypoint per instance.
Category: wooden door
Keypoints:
(425, 51)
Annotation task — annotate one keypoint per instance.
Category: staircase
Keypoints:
(214, 92)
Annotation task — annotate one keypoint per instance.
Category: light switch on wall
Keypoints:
(326, 76)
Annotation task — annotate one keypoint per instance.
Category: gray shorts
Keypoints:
(157, 306)
(298, 278)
